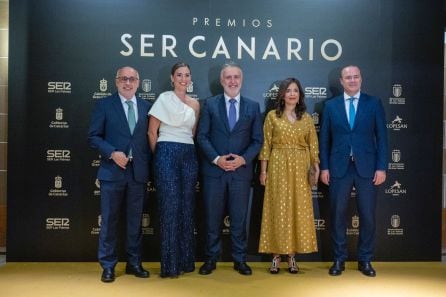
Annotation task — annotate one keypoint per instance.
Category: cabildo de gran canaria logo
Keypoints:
(396, 163)
(58, 190)
(231, 46)
(59, 123)
(103, 90)
(395, 222)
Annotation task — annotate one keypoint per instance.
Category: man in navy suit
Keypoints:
(230, 137)
(118, 130)
(353, 153)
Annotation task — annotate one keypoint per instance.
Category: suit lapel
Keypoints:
(117, 105)
(340, 106)
(241, 114)
(361, 109)
(223, 113)
(141, 114)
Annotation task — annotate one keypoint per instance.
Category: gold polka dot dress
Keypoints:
(287, 218)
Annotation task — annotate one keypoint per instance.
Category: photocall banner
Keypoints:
(64, 56)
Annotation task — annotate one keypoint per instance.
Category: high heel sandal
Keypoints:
(292, 266)
(274, 269)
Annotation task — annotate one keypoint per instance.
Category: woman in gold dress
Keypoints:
(289, 153)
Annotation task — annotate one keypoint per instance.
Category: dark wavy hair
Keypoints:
(179, 65)
(300, 106)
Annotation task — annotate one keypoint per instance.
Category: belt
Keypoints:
(352, 159)
(130, 159)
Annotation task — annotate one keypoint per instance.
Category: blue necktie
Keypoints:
(131, 116)
(351, 112)
(232, 116)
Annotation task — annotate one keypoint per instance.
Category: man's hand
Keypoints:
(325, 176)
(230, 162)
(120, 159)
(379, 178)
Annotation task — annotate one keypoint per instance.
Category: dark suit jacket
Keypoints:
(215, 139)
(367, 139)
(109, 131)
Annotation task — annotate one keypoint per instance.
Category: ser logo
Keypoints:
(59, 87)
(58, 155)
(315, 92)
(57, 223)
(319, 224)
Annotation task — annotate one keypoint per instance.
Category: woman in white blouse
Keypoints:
(172, 124)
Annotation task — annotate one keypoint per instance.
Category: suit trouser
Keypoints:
(340, 190)
(114, 195)
(227, 191)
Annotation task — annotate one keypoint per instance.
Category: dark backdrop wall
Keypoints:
(64, 54)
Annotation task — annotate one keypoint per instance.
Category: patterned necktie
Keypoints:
(351, 112)
(232, 116)
(131, 116)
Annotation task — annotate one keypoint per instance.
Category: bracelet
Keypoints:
(263, 172)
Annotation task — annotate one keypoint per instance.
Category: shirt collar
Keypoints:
(227, 98)
(356, 96)
(123, 100)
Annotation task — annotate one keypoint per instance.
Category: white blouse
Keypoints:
(177, 118)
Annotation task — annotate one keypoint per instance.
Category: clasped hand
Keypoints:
(230, 162)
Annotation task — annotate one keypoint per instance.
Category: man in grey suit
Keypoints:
(230, 137)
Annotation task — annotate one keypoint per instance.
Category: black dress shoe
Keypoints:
(137, 271)
(366, 269)
(207, 268)
(242, 268)
(336, 268)
(108, 275)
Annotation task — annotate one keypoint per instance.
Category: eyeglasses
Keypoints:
(124, 79)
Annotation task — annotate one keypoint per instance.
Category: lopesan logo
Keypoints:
(272, 93)
(397, 124)
(396, 189)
